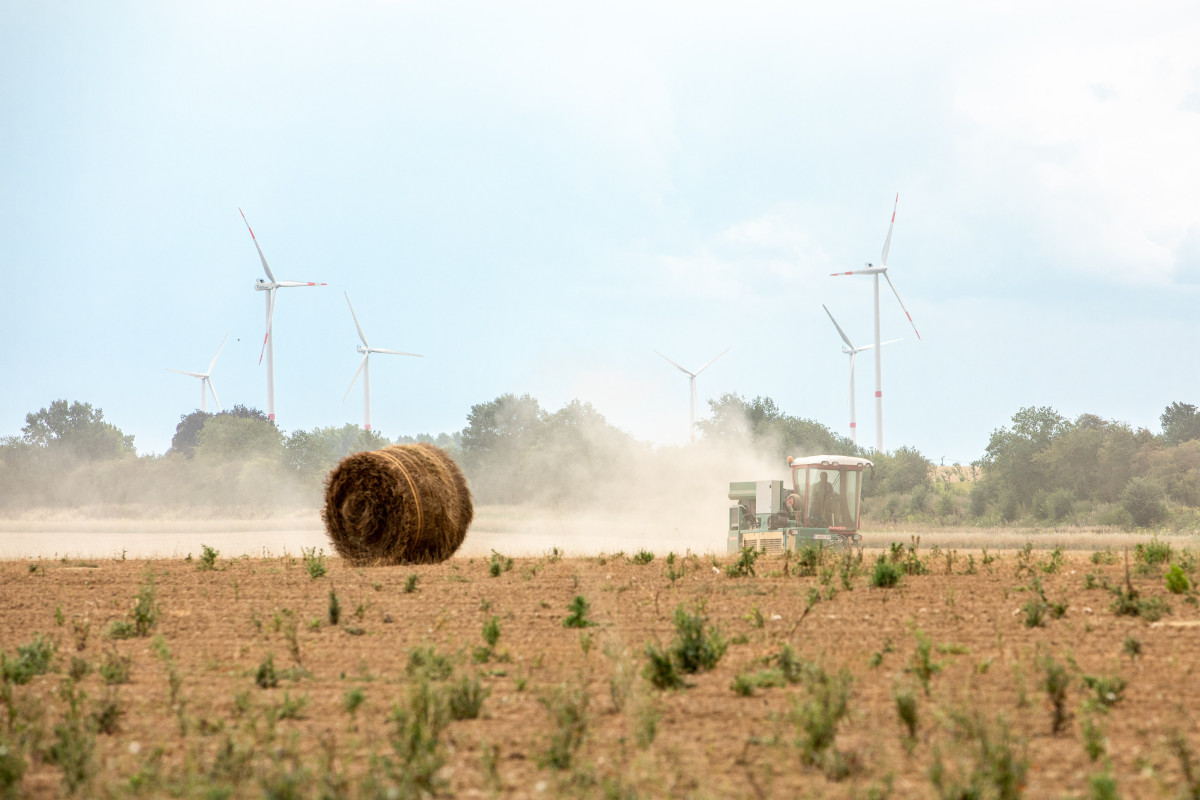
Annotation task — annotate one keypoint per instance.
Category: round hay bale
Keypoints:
(404, 504)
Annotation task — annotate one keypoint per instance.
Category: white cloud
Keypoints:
(1098, 141)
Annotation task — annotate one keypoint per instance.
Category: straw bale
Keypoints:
(404, 504)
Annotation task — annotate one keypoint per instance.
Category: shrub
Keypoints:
(208, 558)
(886, 574)
(697, 648)
(335, 607)
(115, 668)
(314, 562)
(410, 583)
(642, 557)
(744, 566)
(1055, 681)
(416, 739)
(266, 677)
(465, 698)
(31, 659)
(568, 709)
(1177, 581)
(1143, 499)
(578, 618)
(817, 718)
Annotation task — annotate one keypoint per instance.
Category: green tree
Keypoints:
(1011, 470)
(226, 437)
(1180, 423)
(898, 472)
(76, 430)
(761, 424)
(187, 432)
(313, 453)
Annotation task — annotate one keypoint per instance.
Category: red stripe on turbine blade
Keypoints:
(853, 424)
(879, 394)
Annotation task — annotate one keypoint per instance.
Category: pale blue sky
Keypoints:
(535, 195)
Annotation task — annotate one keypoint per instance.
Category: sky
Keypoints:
(536, 196)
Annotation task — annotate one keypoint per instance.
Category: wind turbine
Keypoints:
(206, 385)
(365, 367)
(852, 351)
(692, 384)
(876, 272)
(269, 286)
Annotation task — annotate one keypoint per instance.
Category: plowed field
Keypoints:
(568, 712)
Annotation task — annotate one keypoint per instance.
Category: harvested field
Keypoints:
(567, 711)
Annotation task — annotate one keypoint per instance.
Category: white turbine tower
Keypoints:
(206, 384)
(692, 385)
(876, 272)
(852, 351)
(365, 367)
(270, 285)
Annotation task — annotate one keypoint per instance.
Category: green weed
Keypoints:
(31, 659)
(578, 616)
(642, 557)
(208, 558)
(568, 709)
(743, 567)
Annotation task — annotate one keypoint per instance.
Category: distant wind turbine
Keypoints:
(365, 367)
(206, 384)
(852, 351)
(692, 385)
(876, 272)
(270, 286)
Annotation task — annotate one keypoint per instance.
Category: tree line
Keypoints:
(1041, 469)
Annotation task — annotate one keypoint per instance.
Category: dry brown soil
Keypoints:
(710, 742)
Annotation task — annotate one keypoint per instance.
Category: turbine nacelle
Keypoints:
(263, 286)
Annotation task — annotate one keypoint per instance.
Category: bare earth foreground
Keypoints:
(566, 711)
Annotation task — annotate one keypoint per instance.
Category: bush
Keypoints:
(1177, 581)
(1144, 500)
(32, 659)
(886, 574)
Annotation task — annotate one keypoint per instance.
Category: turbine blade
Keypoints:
(353, 381)
(395, 352)
(887, 244)
(718, 355)
(261, 257)
(213, 363)
(910, 319)
(841, 332)
(361, 335)
(213, 389)
(291, 284)
(181, 372)
(871, 346)
(681, 369)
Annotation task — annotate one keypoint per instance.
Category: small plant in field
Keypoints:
(817, 718)
(1127, 602)
(74, 745)
(913, 564)
(291, 707)
(79, 669)
(1093, 737)
(107, 716)
(80, 628)
(886, 573)
(1153, 552)
(620, 682)
(568, 708)
(1053, 562)
(465, 698)
(755, 618)
(1102, 786)
(208, 558)
(697, 648)
(1132, 647)
(410, 583)
(1177, 580)
(1105, 556)
(660, 669)
(335, 607)
(491, 635)
(906, 710)
(993, 767)
(266, 677)
(743, 567)
(12, 769)
(352, 699)
(416, 739)
(1090, 581)
(314, 562)
(429, 661)
(115, 668)
(578, 616)
(32, 659)
(1191, 782)
(1107, 689)
(1055, 682)
(59, 618)
(746, 683)
(642, 557)
(142, 617)
(922, 664)
(499, 563)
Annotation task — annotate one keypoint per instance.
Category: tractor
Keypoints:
(821, 508)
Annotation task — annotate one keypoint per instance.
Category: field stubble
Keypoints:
(942, 679)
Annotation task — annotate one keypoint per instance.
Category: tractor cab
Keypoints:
(822, 506)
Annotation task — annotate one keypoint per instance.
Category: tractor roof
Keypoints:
(831, 461)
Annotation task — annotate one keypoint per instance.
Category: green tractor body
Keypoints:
(821, 507)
